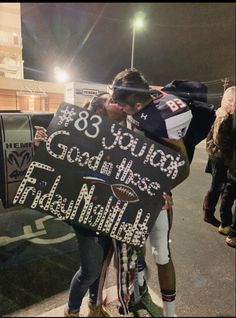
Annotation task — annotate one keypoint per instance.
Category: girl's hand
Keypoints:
(40, 135)
(168, 201)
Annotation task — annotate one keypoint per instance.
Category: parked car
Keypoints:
(17, 149)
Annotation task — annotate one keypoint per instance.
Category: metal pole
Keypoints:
(132, 53)
(226, 83)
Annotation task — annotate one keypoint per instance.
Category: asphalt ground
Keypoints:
(205, 265)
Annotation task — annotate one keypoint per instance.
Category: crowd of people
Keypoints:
(165, 119)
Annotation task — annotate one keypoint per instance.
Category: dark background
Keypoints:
(92, 41)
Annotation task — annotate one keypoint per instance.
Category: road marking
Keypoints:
(57, 240)
(39, 222)
(5, 240)
(33, 237)
(40, 225)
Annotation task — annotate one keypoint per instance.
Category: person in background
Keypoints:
(231, 237)
(219, 145)
(164, 119)
(228, 203)
(227, 142)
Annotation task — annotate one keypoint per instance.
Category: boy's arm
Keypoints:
(180, 147)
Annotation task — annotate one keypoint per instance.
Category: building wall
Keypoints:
(8, 99)
(78, 93)
(11, 63)
(29, 95)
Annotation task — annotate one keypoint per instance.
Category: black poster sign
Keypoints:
(94, 172)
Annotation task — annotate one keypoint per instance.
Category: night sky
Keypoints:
(92, 41)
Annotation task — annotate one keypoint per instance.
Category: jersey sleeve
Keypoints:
(177, 125)
(167, 117)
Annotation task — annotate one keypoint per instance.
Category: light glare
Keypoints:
(61, 76)
(138, 23)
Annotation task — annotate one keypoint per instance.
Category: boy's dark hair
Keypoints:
(130, 87)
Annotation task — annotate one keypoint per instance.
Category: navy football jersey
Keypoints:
(167, 117)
